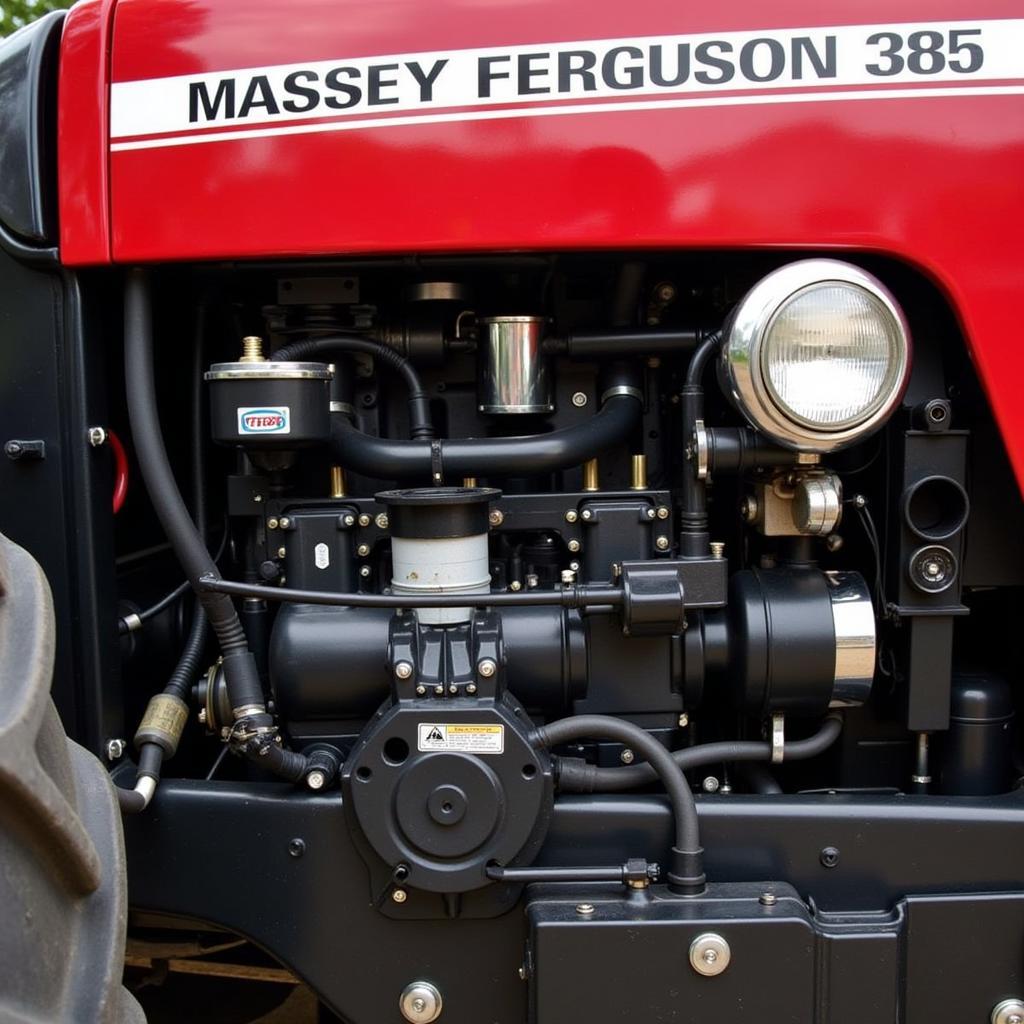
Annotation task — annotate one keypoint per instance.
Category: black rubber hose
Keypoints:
(384, 459)
(420, 427)
(686, 873)
(129, 801)
(759, 779)
(699, 360)
(240, 673)
(568, 597)
(576, 776)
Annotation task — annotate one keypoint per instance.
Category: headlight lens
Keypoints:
(817, 355)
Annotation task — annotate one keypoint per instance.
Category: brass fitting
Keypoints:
(163, 723)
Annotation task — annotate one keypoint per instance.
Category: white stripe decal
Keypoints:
(352, 124)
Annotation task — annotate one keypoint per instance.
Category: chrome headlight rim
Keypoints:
(743, 347)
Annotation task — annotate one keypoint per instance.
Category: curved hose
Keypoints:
(576, 776)
(254, 734)
(420, 426)
(380, 458)
(699, 359)
(687, 873)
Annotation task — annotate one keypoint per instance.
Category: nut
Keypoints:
(627, 756)
(579, 399)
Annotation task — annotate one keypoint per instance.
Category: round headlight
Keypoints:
(817, 355)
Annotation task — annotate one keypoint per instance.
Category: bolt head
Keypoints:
(587, 514)
(584, 909)
(710, 784)
(717, 549)
(349, 520)
(573, 546)
(363, 550)
(627, 756)
(202, 716)
(515, 586)
(282, 552)
(571, 516)
(365, 571)
(709, 954)
(487, 668)
(403, 670)
(316, 779)
(767, 899)
(296, 847)
(663, 512)
(97, 436)
(829, 857)
(579, 399)
(399, 895)
(381, 521)
(439, 690)
(420, 1003)
(662, 543)
(285, 522)
(495, 517)
(272, 523)
(1009, 1011)
(471, 688)
(115, 749)
(859, 500)
(684, 720)
(420, 691)
(651, 513)
(364, 520)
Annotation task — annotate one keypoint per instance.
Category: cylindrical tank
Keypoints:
(514, 372)
(977, 759)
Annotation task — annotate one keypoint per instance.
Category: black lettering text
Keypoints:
(705, 56)
(426, 81)
(486, 73)
(293, 86)
(198, 95)
(611, 69)
(576, 64)
(527, 72)
(682, 70)
(374, 84)
(823, 67)
(352, 92)
(259, 94)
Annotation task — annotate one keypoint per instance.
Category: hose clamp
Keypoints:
(778, 738)
(436, 463)
(343, 407)
(700, 449)
(622, 389)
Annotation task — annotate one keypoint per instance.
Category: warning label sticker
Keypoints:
(466, 737)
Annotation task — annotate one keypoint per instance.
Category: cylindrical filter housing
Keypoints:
(515, 375)
(439, 545)
(264, 404)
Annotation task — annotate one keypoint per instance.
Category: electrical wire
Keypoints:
(120, 471)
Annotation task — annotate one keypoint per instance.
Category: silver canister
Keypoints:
(515, 376)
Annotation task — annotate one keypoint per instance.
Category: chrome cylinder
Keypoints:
(515, 375)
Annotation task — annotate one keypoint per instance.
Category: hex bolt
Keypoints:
(586, 514)
(532, 580)
(349, 520)
(859, 501)
(97, 436)
(316, 779)
(584, 909)
(365, 571)
(571, 516)
(420, 690)
(382, 520)
(115, 749)
(271, 523)
(1009, 1011)
(285, 522)
(282, 552)
(663, 512)
(767, 899)
(496, 517)
(717, 549)
(579, 399)
(684, 720)
(439, 690)
(710, 784)
(573, 546)
(627, 756)
(399, 895)
(661, 543)
(420, 1002)
(829, 857)
(651, 513)
(403, 670)
(515, 586)
(453, 689)
(709, 954)
(471, 688)
(363, 550)
(487, 668)
(296, 847)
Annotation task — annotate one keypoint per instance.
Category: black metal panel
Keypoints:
(221, 852)
(28, 129)
(59, 507)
